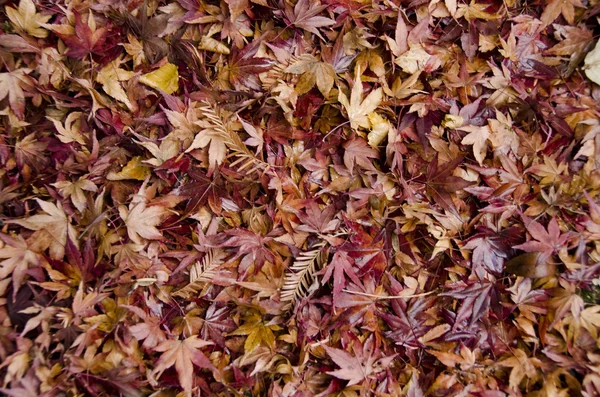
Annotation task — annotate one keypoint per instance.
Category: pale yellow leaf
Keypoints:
(26, 19)
(165, 78)
(141, 221)
(75, 191)
(592, 64)
(477, 137)
(413, 60)
(133, 170)
(110, 77)
(212, 45)
(56, 226)
(357, 108)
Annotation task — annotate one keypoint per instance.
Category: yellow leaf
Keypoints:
(379, 129)
(110, 77)
(451, 6)
(413, 60)
(313, 72)
(56, 225)
(477, 137)
(75, 190)
(165, 78)
(133, 170)
(71, 131)
(357, 108)
(26, 19)
(212, 45)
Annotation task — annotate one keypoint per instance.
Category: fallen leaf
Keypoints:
(358, 108)
(165, 78)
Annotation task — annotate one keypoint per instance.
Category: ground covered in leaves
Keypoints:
(280, 198)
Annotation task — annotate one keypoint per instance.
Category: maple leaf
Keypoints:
(477, 137)
(111, 77)
(244, 66)
(357, 153)
(313, 72)
(29, 151)
(165, 78)
(213, 137)
(149, 331)
(357, 109)
(465, 360)
(413, 61)
(440, 182)
(490, 249)
(340, 267)
(547, 242)
(476, 299)
(252, 246)
(169, 147)
(183, 354)
(318, 220)
(523, 365)
(17, 259)
(259, 332)
(85, 39)
(26, 19)
(353, 369)
(592, 64)
(74, 190)
(305, 16)
(55, 228)
(12, 85)
(555, 7)
(202, 190)
(141, 220)
(71, 131)
(576, 39)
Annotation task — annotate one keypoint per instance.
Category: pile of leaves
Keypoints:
(299, 198)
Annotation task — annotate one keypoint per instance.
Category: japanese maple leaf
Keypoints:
(440, 182)
(305, 16)
(358, 153)
(545, 242)
(253, 247)
(17, 259)
(86, 40)
(317, 220)
(476, 300)
(141, 220)
(340, 267)
(313, 72)
(358, 108)
(111, 77)
(149, 330)
(217, 323)
(55, 228)
(244, 67)
(202, 190)
(523, 365)
(259, 332)
(555, 7)
(183, 354)
(490, 249)
(478, 137)
(356, 368)
(26, 19)
(12, 85)
(215, 138)
(74, 190)
(407, 321)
